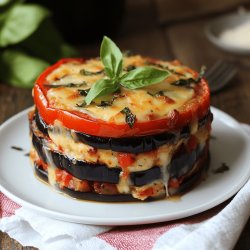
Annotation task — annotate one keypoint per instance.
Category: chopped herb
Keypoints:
(89, 73)
(159, 93)
(68, 85)
(83, 92)
(83, 104)
(129, 116)
(105, 103)
(130, 67)
(183, 82)
(223, 168)
(116, 95)
(187, 82)
(17, 148)
(164, 67)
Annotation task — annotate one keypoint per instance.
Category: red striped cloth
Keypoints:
(128, 237)
(8, 207)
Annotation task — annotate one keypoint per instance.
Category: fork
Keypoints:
(220, 74)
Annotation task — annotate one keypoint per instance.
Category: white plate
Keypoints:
(17, 180)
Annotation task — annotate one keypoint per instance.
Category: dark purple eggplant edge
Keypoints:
(186, 186)
(133, 145)
(100, 172)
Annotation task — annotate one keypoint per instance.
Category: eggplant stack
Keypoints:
(127, 143)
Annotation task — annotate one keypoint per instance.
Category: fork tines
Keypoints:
(220, 74)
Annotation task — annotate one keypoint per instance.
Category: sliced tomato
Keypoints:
(147, 192)
(196, 107)
(125, 160)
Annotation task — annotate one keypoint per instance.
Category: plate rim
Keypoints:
(123, 220)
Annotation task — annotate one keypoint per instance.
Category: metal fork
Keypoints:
(220, 74)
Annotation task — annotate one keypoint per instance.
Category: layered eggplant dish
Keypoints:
(120, 127)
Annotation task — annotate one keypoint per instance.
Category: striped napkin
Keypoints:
(218, 228)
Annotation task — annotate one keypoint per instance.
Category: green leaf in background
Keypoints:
(101, 88)
(4, 2)
(19, 22)
(20, 69)
(111, 57)
(47, 43)
(143, 76)
(68, 51)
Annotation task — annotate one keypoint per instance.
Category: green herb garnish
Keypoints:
(164, 67)
(68, 85)
(112, 60)
(130, 67)
(105, 103)
(187, 82)
(89, 73)
(83, 104)
(83, 92)
(159, 93)
(129, 116)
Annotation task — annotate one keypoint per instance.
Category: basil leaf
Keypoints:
(143, 76)
(20, 22)
(101, 88)
(111, 57)
(19, 69)
(48, 47)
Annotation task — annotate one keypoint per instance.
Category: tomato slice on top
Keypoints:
(196, 107)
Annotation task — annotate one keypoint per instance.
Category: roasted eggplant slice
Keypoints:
(134, 145)
(80, 169)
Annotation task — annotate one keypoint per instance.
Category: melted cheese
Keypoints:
(142, 102)
(63, 139)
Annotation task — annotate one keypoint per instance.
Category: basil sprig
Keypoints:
(112, 60)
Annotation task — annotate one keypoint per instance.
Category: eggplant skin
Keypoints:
(89, 171)
(80, 169)
(141, 178)
(40, 123)
(85, 171)
(92, 196)
(180, 164)
(188, 184)
(133, 145)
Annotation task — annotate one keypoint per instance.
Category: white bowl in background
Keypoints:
(214, 28)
